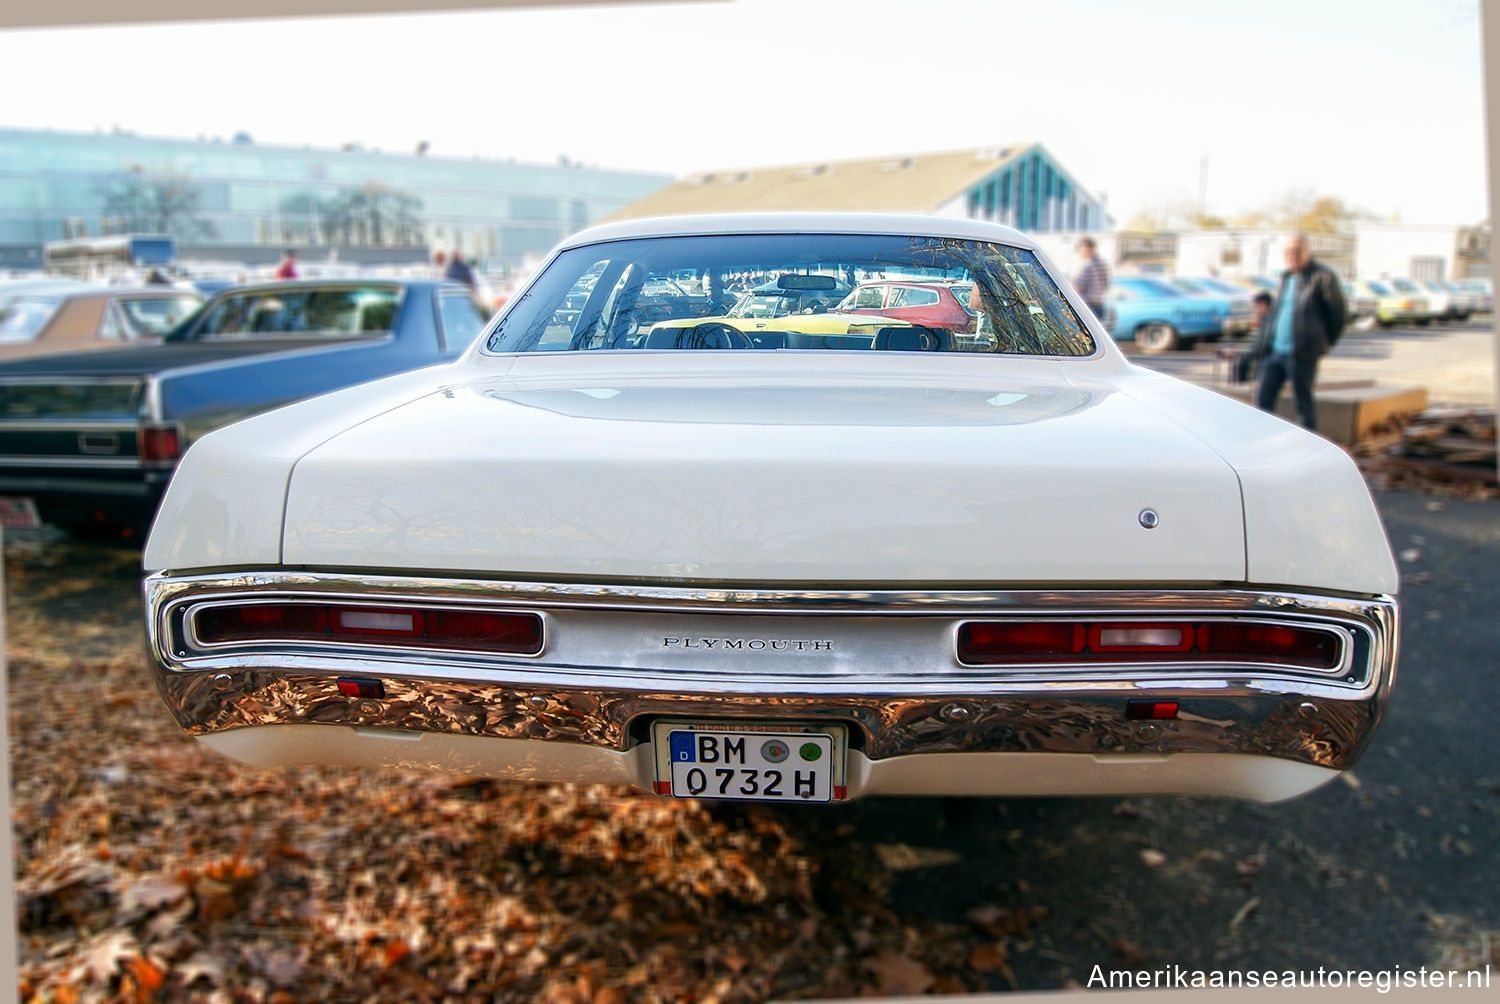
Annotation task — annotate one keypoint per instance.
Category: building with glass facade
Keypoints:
(245, 201)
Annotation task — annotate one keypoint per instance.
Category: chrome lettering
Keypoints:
(747, 644)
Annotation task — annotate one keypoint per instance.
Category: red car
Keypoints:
(932, 304)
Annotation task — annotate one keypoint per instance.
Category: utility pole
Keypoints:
(1202, 190)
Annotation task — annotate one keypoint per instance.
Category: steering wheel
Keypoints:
(715, 335)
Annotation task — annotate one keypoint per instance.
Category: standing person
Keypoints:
(288, 267)
(1092, 280)
(458, 270)
(1303, 325)
(1247, 363)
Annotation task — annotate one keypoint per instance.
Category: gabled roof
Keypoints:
(919, 182)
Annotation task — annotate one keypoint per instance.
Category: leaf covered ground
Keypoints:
(149, 868)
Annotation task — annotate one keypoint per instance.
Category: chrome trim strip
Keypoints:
(963, 602)
(72, 381)
(1241, 710)
(67, 425)
(82, 461)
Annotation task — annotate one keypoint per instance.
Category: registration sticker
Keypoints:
(750, 761)
(19, 514)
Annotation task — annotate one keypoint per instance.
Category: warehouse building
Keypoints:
(1022, 186)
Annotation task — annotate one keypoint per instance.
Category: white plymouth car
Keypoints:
(869, 557)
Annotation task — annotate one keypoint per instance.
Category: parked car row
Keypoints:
(92, 438)
(50, 316)
(1400, 300)
(1160, 314)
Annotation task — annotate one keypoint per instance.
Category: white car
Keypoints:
(806, 567)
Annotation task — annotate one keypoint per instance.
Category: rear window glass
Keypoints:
(21, 319)
(788, 292)
(269, 312)
(157, 316)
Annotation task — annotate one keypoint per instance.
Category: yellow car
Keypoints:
(790, 313)
(1392, 307)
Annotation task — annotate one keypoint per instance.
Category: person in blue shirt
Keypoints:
(1304, 323)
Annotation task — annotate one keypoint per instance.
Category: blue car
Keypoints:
(1157, 317)
(92, 438)
(1239, 317)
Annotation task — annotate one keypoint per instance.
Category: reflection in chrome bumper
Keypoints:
(605, 674)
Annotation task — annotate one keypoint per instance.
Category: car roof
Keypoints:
(272, 285)
(895, 224)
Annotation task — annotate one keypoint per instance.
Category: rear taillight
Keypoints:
(1014, 643)
(158, 444)
(485, 631)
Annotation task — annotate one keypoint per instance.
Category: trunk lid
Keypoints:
(1010, 482)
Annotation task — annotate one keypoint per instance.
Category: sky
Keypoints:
(1378, 102)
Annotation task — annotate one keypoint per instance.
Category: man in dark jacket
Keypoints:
(1303, 325)
(458, 270)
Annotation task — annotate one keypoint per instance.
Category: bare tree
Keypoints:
(154, 202)
(372, 213)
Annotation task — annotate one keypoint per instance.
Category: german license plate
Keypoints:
(750, 761)
(19, 514)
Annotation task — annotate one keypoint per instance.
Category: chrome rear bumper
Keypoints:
(881, 661)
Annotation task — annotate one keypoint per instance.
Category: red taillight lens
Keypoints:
(1000, 643)
(1292, 646)
(158, 444)
(253, 621)
(1020, 641)
(499, 632)
(503, 632)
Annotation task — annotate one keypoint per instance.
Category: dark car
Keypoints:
(93, 438)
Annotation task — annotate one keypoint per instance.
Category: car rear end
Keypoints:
(782, 575)
(686, 622)
(80, 451)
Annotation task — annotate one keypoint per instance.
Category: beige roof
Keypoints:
(918, 182)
